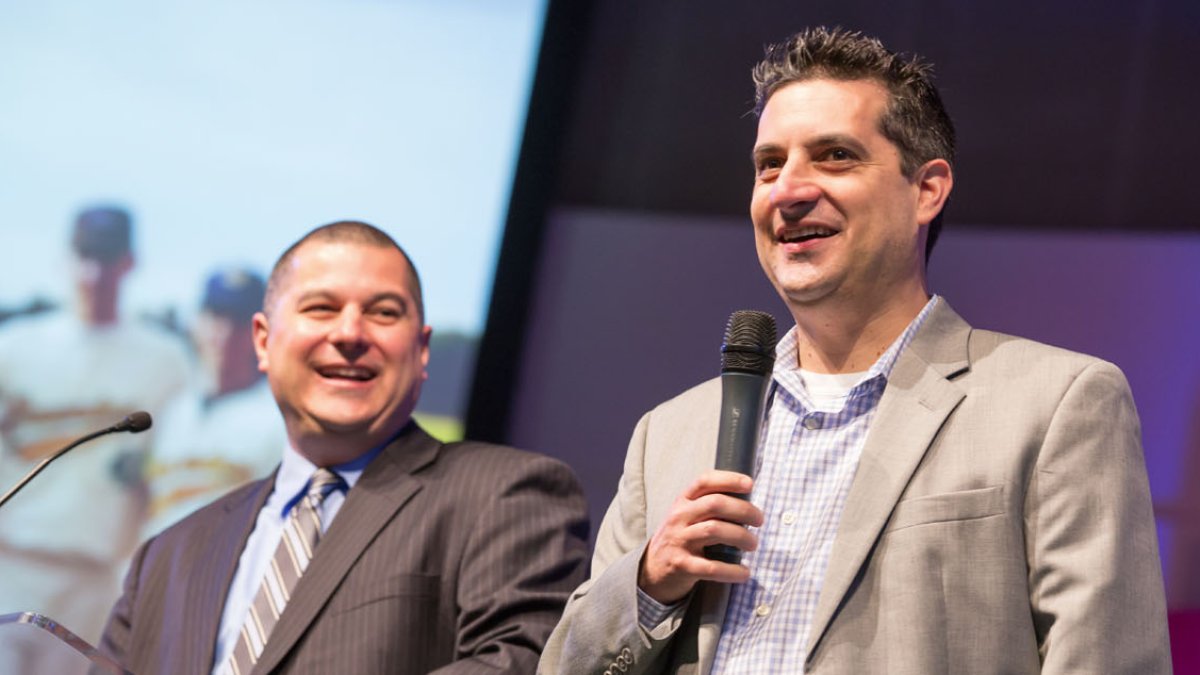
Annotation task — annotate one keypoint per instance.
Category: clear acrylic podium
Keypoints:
(32, 644)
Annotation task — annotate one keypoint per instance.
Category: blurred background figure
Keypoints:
(227, 432)
(65, 538)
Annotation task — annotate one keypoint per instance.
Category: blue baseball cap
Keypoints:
(235, 293)
(102, 233)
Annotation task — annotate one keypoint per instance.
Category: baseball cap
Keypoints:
(236, 293)
(102, 233)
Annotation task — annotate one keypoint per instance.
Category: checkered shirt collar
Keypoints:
(786, 372)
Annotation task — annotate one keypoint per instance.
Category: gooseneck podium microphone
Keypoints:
(747, 357)
(134, 423)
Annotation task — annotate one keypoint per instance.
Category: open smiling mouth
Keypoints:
(801, 235)
(353, 373)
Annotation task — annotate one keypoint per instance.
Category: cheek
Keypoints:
(286, 350)
(760, 204)
(760, 218)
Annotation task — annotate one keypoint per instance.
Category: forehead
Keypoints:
(824, 106)
(346, 267)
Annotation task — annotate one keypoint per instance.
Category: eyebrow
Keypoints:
(765, 149)
(838, 139)
(320, 294)
(818, 142)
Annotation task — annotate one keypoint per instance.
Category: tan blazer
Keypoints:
(451, 557)
(999, 522)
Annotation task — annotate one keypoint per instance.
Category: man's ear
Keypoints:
(260, 327)
(426, 334)
(934, 181)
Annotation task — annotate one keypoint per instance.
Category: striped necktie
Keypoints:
(295, 549)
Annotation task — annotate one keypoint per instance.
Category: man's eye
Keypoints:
(317, 309)
(388, 312)
(768, 164)
(839, 155)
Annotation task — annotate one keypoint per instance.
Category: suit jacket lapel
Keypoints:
(714, 600)
(214, 563)
(386, 484)
(917, 400)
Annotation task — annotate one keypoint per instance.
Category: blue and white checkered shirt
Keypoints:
(806, 463)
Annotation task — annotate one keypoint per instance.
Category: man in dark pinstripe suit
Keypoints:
(455, 558)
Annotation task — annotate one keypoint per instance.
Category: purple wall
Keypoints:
(630, 309)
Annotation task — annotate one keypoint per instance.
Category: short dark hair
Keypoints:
(915, 120)
(345, 231)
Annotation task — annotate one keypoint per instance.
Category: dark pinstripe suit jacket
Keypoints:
(455, 557)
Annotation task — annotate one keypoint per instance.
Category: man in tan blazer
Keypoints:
(930, 498)
(454, 558)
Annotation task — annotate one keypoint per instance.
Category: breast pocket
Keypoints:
(947, 507)
(409, 587)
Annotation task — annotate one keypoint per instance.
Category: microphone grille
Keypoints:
(749, 342)
(136, 422)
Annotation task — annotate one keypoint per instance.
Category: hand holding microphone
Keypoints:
(702, 537)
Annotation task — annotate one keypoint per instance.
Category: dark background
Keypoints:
(1073, 219)
(1071, 114)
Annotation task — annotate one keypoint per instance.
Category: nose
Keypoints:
(794, 192)
(348, 333)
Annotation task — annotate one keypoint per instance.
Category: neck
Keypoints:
(848, 339)
(329, 451)
(98, 313)
(326, 449)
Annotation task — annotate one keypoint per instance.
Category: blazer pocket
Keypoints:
(947, 507)
(399, 586)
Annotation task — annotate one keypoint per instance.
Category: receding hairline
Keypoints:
(341, 232)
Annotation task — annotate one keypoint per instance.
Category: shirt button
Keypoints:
(811, 422)
(762, 610)
(789, 517)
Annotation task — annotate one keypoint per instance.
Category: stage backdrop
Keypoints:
(222, 131)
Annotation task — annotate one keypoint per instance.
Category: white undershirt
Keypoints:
(829, 390)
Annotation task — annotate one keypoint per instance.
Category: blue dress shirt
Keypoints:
(291, 482)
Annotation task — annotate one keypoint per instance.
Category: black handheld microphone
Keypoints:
(747, 356)
(134, 423)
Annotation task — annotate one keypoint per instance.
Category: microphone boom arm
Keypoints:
(135, 423)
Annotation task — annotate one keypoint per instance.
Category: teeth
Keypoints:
(806, 233)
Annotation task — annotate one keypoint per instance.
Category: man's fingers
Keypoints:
(715, 481)
(700, 568)
(711, 532)
(703, 515)
(718, 506)
(724, 507)
(692, 539)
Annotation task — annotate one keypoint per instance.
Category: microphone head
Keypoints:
(749, 345)
(135, 423)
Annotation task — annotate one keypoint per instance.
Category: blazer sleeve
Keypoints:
(115, 641)
(1096, 588)
(599, 631)
(527, 549)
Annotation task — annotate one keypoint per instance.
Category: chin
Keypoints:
(344, 424)
(806, 292)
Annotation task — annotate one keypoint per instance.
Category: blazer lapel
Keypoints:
(214, 562)
(385, 485)
(714, 600)
(918, 399)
